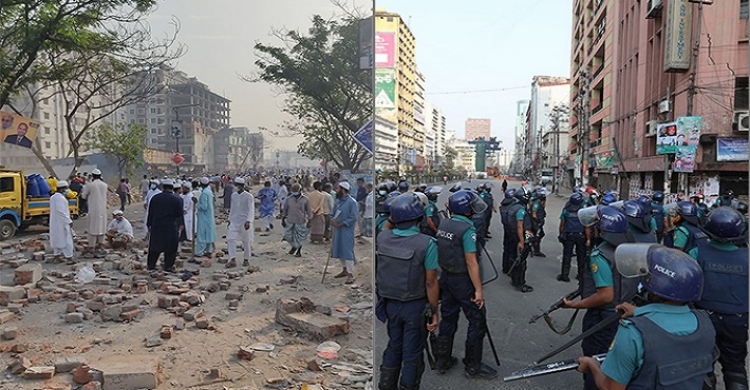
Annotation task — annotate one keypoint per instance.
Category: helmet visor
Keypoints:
(477, 205)
(588, 216)
(632, 259)
(620, 204)
(671, 209)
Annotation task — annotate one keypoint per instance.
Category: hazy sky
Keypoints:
(220, 35)
(475, 45)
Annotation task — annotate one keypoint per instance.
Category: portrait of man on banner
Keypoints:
(18, 130)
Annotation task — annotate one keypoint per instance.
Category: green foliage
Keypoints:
(328, 95)
(450, 158)
(125, 143)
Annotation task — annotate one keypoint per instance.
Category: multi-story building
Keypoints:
(546, 93)
(636, 58)
(396, 75)
(466, 152)
(518, 161)
(420, 136)
(386, 145)
(187, 105)
(477, 128)
(237, 149)
(435, 122)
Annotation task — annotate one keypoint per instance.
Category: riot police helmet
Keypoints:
(406, 208)
(522, 196)
(422, 198)
(576, 199)
(724, 224)
(658, 197)
(391, 186)
(433, 192)
(689, 212)
(742, 208)
(403, 186)
(455, 188)
(636, 215)
(613, 225)
(607, 200)
(466, 202)
(387, 204)
(510, 194)
(667, 273)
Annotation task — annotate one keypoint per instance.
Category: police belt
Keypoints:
(443, 270)
(720, 313)
(574, 233)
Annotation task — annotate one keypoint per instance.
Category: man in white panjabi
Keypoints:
(241, 216)
(60, 224)
(188, 208)
(119, 231)
(154, 189)
(95, 192)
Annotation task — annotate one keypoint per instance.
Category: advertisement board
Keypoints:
(385, 94)
(677, 42)
(605, 159)
(684, 132)
(18, 130)
(684, 159)
(385, 50)
(731, 149)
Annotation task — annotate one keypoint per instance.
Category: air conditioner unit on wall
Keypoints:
(742, 120)
(653, 9)
(651, 128)
(664, 106)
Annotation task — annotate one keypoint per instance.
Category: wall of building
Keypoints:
(477, 128)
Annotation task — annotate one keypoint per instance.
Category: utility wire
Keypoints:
(476, 91)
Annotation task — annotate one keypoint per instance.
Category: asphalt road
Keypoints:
(508, 311)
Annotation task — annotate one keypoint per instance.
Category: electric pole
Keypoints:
(585, 136)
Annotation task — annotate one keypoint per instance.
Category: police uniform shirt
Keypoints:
(562, 214)
(469, 239)
(429, 210)
(521, 214)
(625, 355)
(681, 235)
(536, 206)
(651, 225)
(431, 255)
(601, 271)
(380, 221)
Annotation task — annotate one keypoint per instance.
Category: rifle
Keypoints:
(551, 368)
(430, 338)
(555, 306)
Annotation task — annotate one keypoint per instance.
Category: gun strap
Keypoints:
(567, 327)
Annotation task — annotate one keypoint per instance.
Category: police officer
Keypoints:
(724, 200)
(640, 223)
(742, 208)
(508, 209)
(539, 215)
(480, 225)
(461, 286)
(725, 292)
(488, 198)
(657, 205)
(403, 187)
(687, 235)
(382, 220)
(602, 287)
(571, 235)
(664, 344)
(525, 230)
(431, 221)
(406, 277)
(421, 188)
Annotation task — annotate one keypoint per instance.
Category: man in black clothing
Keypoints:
(165, 224)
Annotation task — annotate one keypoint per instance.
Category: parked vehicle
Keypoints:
(546, 177)
(18, 210)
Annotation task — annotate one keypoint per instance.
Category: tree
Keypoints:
(95, 55)
(450, 157)
(329, 97)
(125, 143)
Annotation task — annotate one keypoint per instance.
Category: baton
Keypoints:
(489, 336)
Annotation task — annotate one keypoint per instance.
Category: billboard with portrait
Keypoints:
(18, 130)
(685, 132)
(684, 159)
(666, 137)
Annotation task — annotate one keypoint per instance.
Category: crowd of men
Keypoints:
(675, 276)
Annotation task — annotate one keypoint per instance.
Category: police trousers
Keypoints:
(731, 339)
(573, 241)
(510, 248)
(406, 338)
(598, 342)
(456, 293)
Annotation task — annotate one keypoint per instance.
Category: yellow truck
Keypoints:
(19, 211)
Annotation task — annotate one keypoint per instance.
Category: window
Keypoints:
(46, 130)
(132, 121)
(45, 101)
(141, 111)
(47, 145)
(153, 120)
(46, 115)
(141, 121)
(132, 111)
(153, 130)
(153, 110)
(744, 9)
(6, 184)
(740, 94)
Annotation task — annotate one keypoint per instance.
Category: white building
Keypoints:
(466, 158)
(522, 107)
(435, 121)
(546, 93)
(420, 127)
(386, 145)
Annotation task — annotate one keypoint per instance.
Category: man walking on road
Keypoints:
(95, 193)
(343, 221)
(145, 186)
(241, 217)
(206, 221)
(295, 218)
(165, 223)
(572, 236)
(60, 224)
(267, 196)
(318, 222)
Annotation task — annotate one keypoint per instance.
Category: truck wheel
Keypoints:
(7, 229)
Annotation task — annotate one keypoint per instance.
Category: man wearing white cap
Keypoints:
(206, 224)
(95, 192)
(153, 190)
(60, 223)
(188, 208)
(119, 231)
(241, 216)
(344, 219)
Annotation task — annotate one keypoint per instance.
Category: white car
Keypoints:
(545, 178)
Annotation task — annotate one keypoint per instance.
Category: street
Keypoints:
(508, 311)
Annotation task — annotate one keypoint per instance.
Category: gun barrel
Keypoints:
(546, 369)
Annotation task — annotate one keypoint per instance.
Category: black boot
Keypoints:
(563, 278)
(299, 252)
(538, 250)
(474, 368)
(389, 378)
(443, 354)
(420, 372)
(291, 251)
(735, 381)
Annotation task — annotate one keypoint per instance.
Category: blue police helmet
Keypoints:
(607, 199)
(387, 204)
(383, 187)
(724, 223)
(673, 275)
(576, 198)
(403, 186)
(634, 209)
(644, 200)
(612, 220)
(510, 194)
(464, 202)
(405, 208)
(523, 196)
(391, 186)
(742, 208)
(433, 192)
(689, 212)
(658, 196)
(455, 188)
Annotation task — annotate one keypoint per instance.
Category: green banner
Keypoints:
(385, 94)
